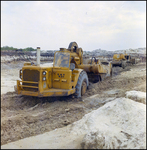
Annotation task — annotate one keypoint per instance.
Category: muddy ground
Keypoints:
(25, 116)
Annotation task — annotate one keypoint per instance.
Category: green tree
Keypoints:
(8, 48)
(12, 48)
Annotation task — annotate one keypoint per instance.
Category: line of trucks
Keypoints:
(67, 75)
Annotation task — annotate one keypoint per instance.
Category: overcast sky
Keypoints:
(109, 25)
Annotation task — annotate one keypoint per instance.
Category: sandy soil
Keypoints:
(25, 116)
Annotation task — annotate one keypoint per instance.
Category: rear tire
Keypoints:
(82, 84)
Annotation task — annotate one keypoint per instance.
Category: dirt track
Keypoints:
(24, 116)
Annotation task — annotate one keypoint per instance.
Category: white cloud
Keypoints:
(92, 24)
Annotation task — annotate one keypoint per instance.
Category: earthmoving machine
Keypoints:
(122, 60)
(67, 75)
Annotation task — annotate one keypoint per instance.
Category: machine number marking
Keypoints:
(61, 75)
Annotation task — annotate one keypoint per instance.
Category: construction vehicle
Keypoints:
(67, 75)
(122, 60)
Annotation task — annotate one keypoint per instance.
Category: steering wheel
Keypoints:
(92, 59)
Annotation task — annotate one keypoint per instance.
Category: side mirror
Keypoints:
(72, 66)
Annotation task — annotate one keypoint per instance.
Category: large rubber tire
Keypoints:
(82, 84)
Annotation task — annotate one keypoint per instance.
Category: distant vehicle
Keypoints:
(122, 60)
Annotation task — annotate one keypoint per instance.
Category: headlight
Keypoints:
(21, 76)
(20, 71)
(44, 78)
(44, 72)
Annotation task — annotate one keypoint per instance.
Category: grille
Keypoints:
(30, 75)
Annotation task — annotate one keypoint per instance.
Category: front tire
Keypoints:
(82, 84)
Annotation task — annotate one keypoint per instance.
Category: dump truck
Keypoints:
(122, 60)
(67, 75)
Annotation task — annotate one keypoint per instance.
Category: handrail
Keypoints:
(20, 85)
(29, 82)
(29, 86)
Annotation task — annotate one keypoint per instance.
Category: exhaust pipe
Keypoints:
(38, 56)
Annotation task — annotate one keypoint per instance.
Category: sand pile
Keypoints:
(117, 125)
(137, 96)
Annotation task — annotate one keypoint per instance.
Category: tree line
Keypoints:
(17, 49)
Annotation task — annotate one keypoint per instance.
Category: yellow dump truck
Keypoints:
(67, 75)
(122, 60)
